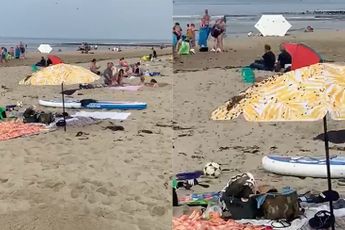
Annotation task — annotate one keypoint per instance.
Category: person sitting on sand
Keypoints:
(49, 62)
(119, 77)
(138, 72)
(153, 83)
(94, 68)
(218, 32)
(284, 60)
(267, 62)
(108, 75)
(42, 62)
(123, 62)
(309, 29)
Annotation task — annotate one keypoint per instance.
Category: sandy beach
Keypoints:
(206, 80)
(102, 180)
(241, 51)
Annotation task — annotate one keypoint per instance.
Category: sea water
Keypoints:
(72, 44)
(242, 15)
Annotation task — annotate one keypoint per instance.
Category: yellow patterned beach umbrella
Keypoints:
(306, 94)
(60, 73)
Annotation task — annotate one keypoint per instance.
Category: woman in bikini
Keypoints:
(217, 32)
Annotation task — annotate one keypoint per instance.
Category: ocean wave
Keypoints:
(195, 16)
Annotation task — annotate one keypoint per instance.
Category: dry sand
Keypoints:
(239, 145)
(243, 51)
(111, 180)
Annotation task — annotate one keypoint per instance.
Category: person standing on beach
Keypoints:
(193, 30)
(218, 32)
(177, 30)
(17, 52)
(22, 50)
(205, 21)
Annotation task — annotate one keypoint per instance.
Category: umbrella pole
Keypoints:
(328, 164)
(63, 107)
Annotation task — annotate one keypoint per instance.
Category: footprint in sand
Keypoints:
(157, 211)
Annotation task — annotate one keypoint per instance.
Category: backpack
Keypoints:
(236, 198)
(281, 205)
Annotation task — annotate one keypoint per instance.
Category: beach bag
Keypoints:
(237, 197)
(281, 205)
(30, 116)
(237, 208)
(45, 118)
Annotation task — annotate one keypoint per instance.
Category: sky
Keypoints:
(88, 19)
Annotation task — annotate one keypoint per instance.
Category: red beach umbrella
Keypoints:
(301, 55)
(55, 59)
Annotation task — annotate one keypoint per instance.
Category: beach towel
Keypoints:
(103, 115)
(127, 87)
(203, 36)
(196, 222)
(14, 129)
(73, 121)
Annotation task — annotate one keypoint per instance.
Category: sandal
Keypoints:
(322, 219)
(280, 224)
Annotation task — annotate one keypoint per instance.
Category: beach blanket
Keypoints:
(127, 87)
(302, 222)
(103, 115)
(195, 222)
(14, 129)
(74, 121)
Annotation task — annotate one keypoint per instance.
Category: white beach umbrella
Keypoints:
(45, 48)
(273, 25)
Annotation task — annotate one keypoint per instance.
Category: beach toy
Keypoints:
(34, 68)
(248, 75)
(212, 169)
(184, 49)
(146, 58)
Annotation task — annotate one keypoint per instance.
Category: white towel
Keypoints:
(103, 115)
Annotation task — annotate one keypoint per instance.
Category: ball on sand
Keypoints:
(212, 169)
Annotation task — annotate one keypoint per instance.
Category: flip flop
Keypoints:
(322, 220)
(280, 224)
(329, 195)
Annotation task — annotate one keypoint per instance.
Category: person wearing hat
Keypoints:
(94, 68)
